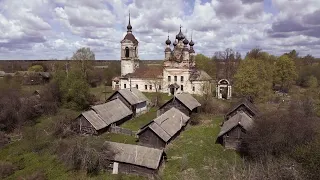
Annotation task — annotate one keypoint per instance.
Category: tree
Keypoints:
(285, 72)
(36, 68)
(253, 79)
(85, 57)
(312, 82)
(229, 59)
(206, 64)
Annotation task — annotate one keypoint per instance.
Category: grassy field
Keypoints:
(102, 92)
(136, 123)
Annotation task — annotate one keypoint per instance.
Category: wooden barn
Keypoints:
(232, 131)
(100, 117)
(163, 129)
(244, 106)
(185, 102)
(133, 99)
(134, 159)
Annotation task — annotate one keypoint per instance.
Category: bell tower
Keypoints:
(129, 52)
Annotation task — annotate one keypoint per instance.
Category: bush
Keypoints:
(4, 139)
(6, 169)
(38, 175)
(212, 105)
(36, 68)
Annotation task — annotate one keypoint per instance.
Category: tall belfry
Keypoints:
(129, 52)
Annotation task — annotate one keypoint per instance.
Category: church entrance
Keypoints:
(223, 89)
(172, 91)
(173, 88)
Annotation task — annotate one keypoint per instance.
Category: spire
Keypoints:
(191, 42)
(129, 27)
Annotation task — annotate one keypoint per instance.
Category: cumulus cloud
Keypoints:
(42, 29)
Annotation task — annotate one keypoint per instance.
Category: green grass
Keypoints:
(164, 96)
(136, 123)
(194, 154)
(102, 92)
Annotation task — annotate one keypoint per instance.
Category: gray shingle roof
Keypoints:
(134, 96)
(94, 119)
(188, 100)
(241, 119)
(200, 75)
(169, 123)
(250, 106)
(112, 111)
(134, 154)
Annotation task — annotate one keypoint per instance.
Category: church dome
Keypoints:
(129, 27)
(168, 42)
(175, 43)
(191, 43)
(185, 42)
(180, 36)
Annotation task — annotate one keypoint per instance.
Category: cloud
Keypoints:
(42, 29)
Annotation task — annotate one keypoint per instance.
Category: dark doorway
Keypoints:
(127, 52)
(172, 90)
(224, 92)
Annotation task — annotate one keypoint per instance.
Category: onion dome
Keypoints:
(129, 27)
(175, 43)
(191, 43)
(185, 42)
(168, 42)
(180, 36)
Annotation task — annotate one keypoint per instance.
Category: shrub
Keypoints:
(6, 169)
(4, 139)
(212, 105)
(36, 68)
(38, 175)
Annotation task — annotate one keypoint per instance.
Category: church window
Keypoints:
(145, 87)
(127, 52)
(193, 88)
(159, 87)
(137, 86)
(169, 78)
(150, 87)
(181, 87)
(135, 52)
(182, 79)
(175, 78)
(125, 85)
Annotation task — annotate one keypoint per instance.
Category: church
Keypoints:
(177, 74)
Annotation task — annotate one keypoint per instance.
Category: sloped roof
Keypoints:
(94, 119)
(130, 36)
(245, 103)
(200, 75)
(241, 119)
(168, 124)
(153, 71)
(112, 111)
(188, 100)
(133, 97)
(134, 154)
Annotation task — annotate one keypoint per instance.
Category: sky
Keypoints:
(46, 29)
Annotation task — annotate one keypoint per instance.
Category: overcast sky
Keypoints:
(44, 29)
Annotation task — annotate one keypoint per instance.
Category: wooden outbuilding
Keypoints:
(242, 106)
(232, 131)
(185, 102)
(134, 159)
(163, 129)
(133, 99)
(100, 117)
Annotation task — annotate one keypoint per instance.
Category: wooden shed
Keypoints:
(100, 117)
(232, 131)
(134, 159)
(163, 129)
(133, 99)
(242, 106)
(185, 102)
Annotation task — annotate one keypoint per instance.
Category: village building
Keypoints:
(178, 72)
(242, 106)
(100, 117)
(224, 89)
(2, 74)
(134, 159)
(232, 131)
(133, 99)
(163, 129)
(185, 102)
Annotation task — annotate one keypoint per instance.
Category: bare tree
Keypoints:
(229, 58)
(85, 56)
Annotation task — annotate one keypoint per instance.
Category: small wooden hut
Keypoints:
(133, 99)
(100, 117)
(162, 130)
(134, 159)
(185, 102)
(232, 131)
(242, 106)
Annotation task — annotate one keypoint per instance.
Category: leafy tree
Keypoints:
(36, 68)
(205, 63)
(253, 79)
(84, 56)
(312, 82)
(285, 72)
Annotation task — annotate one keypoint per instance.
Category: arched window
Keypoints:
(127, 52)
(135, 52)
